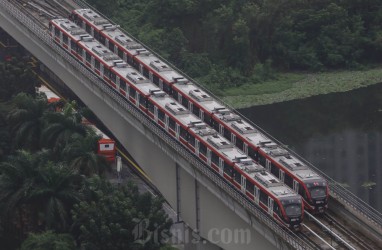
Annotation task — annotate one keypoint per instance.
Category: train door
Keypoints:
(106, 43)
(124, 57)
(166, 122)
(118, 82)
(201, 115)
(197, 143)
(221, 166)
(243, 183)
(177, 131)
(92, 62)
(179, 97)
(233, 139)
(221, 129)
(151, 76)
(156, 114)
(137, 99)
(92, 31)
(281, 175)
(295, 186)
(270, 206)
(101, 70)
(268, 165)
(190, 104)
(61, 37)
(257, 195)
(161, 86)
(141, 69)
(208, 157)
(245, 148)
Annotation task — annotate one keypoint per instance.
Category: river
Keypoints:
(339, 133)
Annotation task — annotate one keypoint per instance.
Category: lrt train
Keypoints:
(227, 161)
(279, 161)
(105, 145)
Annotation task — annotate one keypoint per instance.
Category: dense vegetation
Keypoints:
(228, 43)
(53, 190)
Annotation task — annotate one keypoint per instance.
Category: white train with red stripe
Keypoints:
(251, 179)
(106, 146)
(286, 165)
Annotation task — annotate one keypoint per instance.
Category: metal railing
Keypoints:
(336, 189)
(39, 34)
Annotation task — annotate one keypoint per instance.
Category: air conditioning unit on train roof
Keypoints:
(176, 108)
(86, 38)
(197, 125)
(157, 92)
(143, 52)
(120, 64)
(180, 80)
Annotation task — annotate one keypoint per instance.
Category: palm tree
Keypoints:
(54, 193)
(26, 121)
(60, 127)
(81, 155)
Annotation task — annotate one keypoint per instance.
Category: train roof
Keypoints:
(75, 32)
(274, 185)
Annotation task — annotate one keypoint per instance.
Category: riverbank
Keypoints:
(290, 86)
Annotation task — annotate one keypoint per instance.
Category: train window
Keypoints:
(122, 84)
(239, 143)
(227, 169)
(251, 152)
(215, 159)
(203, 149)
(166, 88)
(171, 123)
(262, 160)
(65, 38)
(132, 93)
(155, 79)
(73, 45)
(142, 100)
(195, 110)
(88, 57)
(113, 77)
(96, 64)
(175, 95)
(288, 180)
(102, 39)
(183, 133)
(227, 134)
(191, 140)
(111, 46)
(274, 170)
(150, 107)
(106, 72)
(88, 28)
(145, 72)
(56, 32)
(237, 176)
(120, 53)
(184, 101)
(263, 197)
(96, 35)
(250, 187)
(207, 118)
(161, 115)
(79, 50)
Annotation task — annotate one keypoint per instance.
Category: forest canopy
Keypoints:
(247, 39)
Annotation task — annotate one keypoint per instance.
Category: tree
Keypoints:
(119, 218)
(81, 155)
(26, 121)
(48, 240)
(61, 126)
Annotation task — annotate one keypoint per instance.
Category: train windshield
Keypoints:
(293, 209)
(317, 192)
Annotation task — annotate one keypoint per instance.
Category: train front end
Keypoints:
(293, 212)
(318, 195)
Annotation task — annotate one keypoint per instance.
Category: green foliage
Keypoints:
(16, 76)
(111, 216)
(48, 240)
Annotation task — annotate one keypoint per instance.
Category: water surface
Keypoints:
(339, 133)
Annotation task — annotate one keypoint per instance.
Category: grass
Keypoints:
(290, 86)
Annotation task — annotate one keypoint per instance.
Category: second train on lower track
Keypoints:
(219, 154)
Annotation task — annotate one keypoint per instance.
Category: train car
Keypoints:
(305, 181)
(278, 200)
(105, 145)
